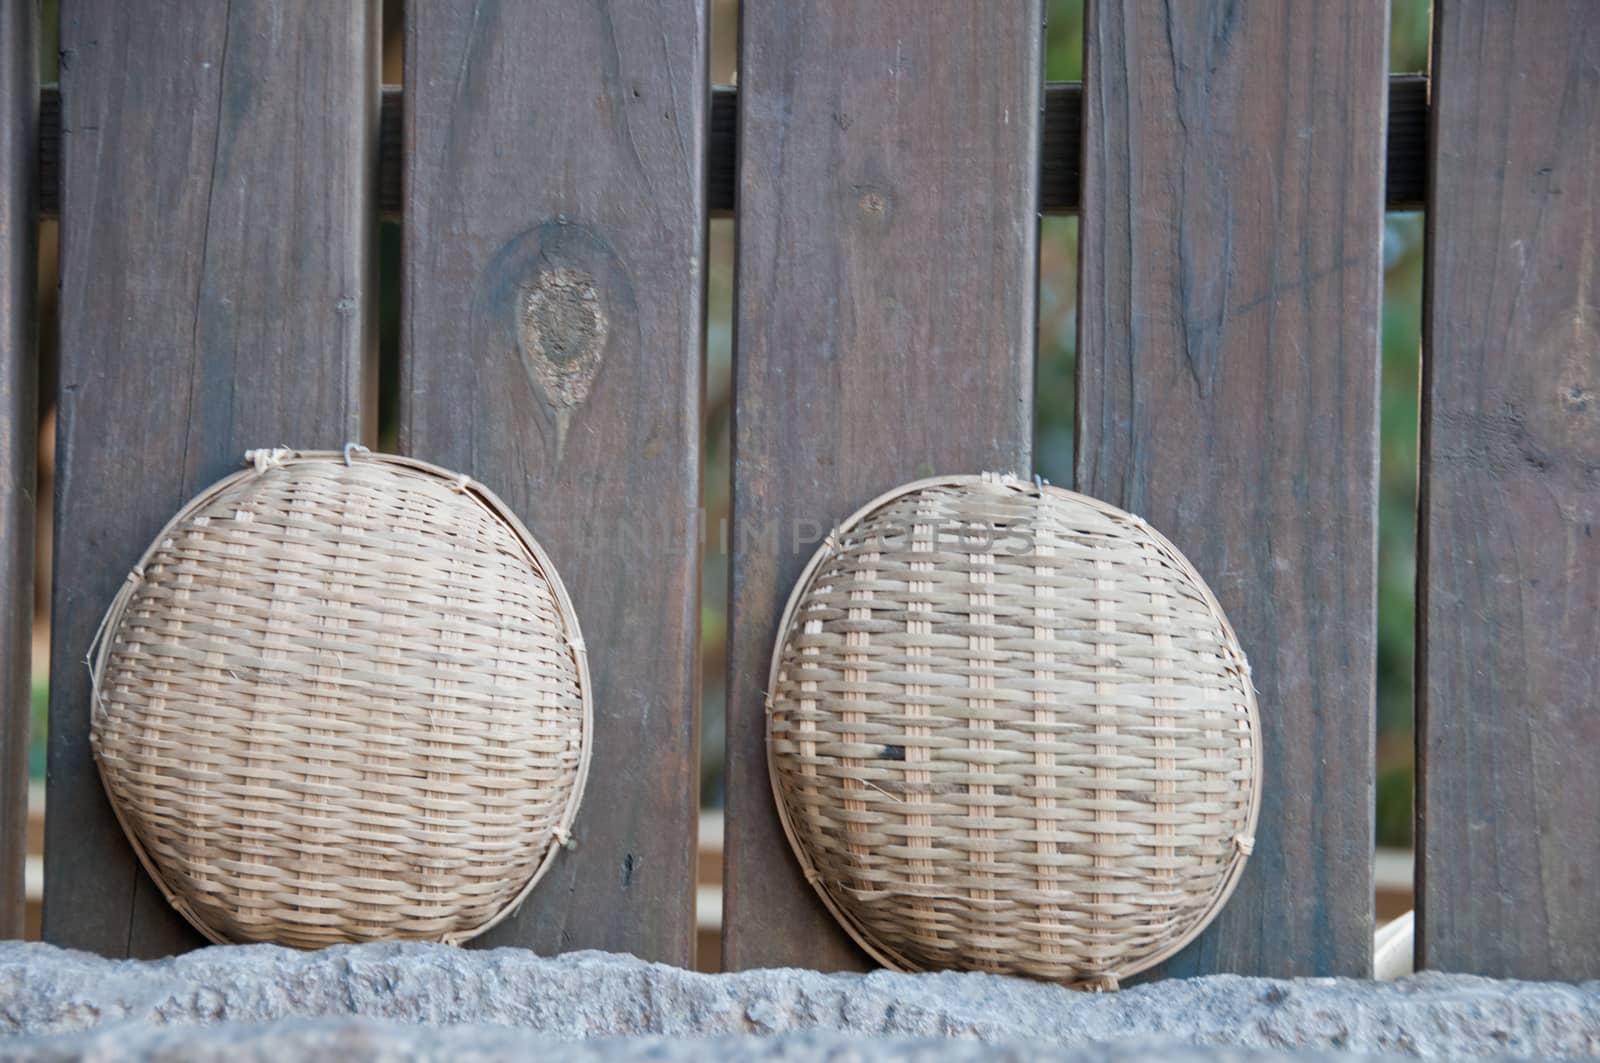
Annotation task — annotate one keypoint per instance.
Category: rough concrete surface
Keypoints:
(344, 1040)
(366, 1002)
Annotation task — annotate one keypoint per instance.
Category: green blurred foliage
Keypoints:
(1063, 60)
(1408, 36)
(1397, 483)
(39, 724)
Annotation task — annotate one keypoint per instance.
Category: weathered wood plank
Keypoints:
(217, 174)
(554, 248)
(887, 280)
(1508, 640)
(19, 434)
(1059, 162)
(1228, 367)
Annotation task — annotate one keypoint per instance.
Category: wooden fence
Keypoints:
(219, 170)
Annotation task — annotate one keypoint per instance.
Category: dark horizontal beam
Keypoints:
(1406, 162)
(1406, 186)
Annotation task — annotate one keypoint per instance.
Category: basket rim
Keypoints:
(99, 652)
(893, 959)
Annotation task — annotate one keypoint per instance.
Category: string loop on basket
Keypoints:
(264, 458)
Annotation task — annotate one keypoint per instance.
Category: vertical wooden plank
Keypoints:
(554, 247)
(19, 433)
(1508, 687)
(886, 321)
(1228, 367)
(216, 221)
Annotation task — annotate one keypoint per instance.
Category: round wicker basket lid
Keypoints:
(343, 697)
(1009, 729)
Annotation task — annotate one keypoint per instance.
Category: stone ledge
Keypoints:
(348, 1040)
(64, 1004)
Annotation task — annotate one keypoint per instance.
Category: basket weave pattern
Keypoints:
(341, 702)
(1010, 730)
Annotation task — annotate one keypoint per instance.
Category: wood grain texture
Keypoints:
(554, 258)
(885, 323)
(1228, 365)
(217, 182)
(19, 434)
(1508, 683)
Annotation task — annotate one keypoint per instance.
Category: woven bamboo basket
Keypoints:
(343, 697)
(1009, 729)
